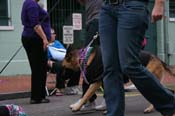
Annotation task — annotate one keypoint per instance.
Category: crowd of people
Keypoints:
(121, 25)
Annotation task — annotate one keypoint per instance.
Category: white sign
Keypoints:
(68, 35)
(77, 21)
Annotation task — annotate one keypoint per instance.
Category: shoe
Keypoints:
(89, 106)
(39, 101)
(102, 106)
(77, 89)
(72, 105)
(105, 112)
(70, 91)
(130, 87)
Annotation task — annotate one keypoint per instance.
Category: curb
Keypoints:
(7, 96)
(16, 95)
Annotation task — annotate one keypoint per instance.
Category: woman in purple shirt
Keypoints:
(35, 36)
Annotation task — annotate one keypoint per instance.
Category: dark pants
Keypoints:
(64, 74)
(91, 30)
(74, 78)
(122, 29)
(38, 63)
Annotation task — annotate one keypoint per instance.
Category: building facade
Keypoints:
(13, 60)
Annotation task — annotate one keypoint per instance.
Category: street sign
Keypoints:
(68, 35)
(77, 21)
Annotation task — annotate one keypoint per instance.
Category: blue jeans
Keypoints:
(122, 28)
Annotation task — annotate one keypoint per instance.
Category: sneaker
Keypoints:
(130, 87)
(72, 105)
(89, 106)
(70, 91)
(77, 89)
(102, 106)
(105, 112)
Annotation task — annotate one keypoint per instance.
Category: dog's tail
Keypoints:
(169, 68)
(146, 58)
(172, 69)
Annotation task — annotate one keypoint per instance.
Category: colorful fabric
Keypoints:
(56, 51)
(15, 110)
(84, 55)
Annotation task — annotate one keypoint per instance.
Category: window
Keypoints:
(3, 13)
(5, 16)
(172, 10)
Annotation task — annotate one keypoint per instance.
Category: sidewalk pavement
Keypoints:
(19, 85)
(59, 106)
(16, 90)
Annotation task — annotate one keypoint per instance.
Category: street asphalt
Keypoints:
(59, 106)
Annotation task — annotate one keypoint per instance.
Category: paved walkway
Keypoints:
(21, 83)
(59, 106)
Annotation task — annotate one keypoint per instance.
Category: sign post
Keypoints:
(77, 21)
(68, 35)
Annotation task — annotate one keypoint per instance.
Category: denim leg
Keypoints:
(113, 83)
(130, 35)
(122, 28)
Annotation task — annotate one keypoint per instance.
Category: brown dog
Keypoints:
(153, 63)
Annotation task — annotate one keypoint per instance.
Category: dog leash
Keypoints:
(84, 63)
(83, 57)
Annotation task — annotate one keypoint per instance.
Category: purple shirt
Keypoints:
(31, 15)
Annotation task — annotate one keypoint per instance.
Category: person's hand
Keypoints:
(158, 11)
(45, 44)
(38, 29)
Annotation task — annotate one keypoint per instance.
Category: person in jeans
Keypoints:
(122, 26)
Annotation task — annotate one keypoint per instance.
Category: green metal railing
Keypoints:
(62, 15)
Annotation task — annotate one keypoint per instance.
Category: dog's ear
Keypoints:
(69, 49)
(69, 53)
